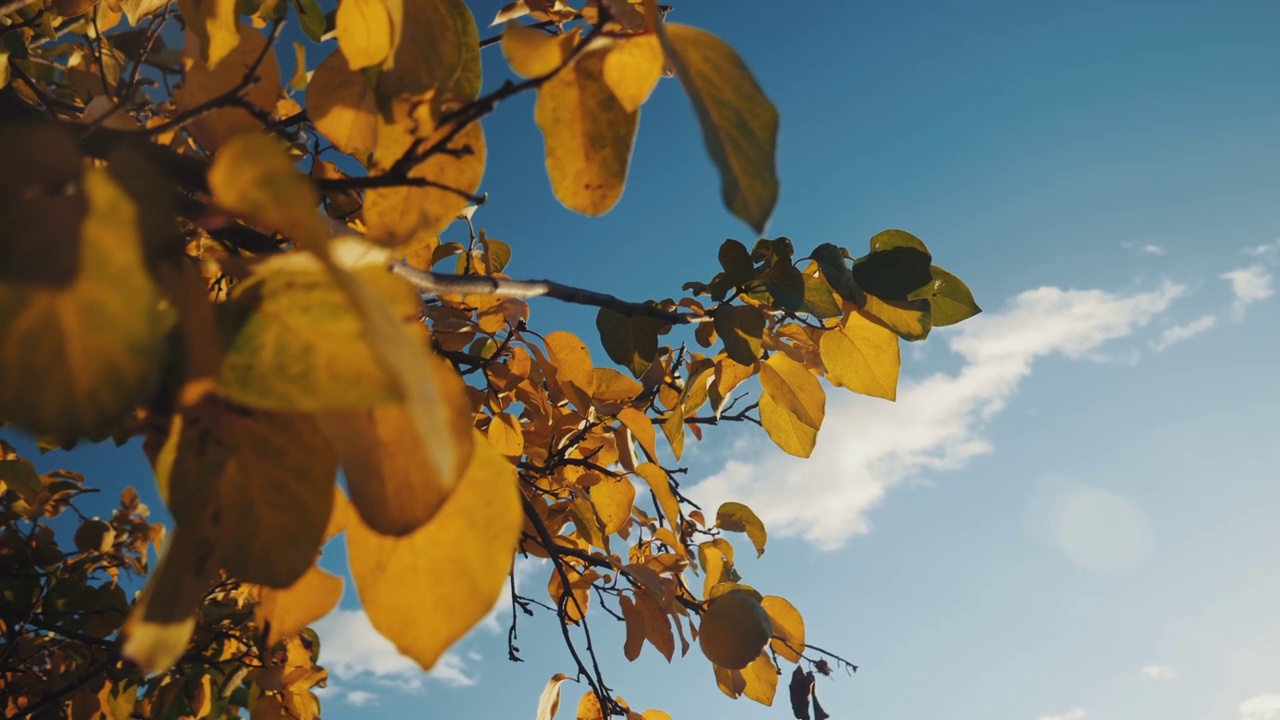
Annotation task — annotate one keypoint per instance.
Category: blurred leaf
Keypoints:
(341, 104)
(203, 82)
(364, 32)
(214, 26)
(739, 124)
(288, 610)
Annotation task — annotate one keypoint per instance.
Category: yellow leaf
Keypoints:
(729, 374)
(609, 385)
(641, 429)
(396, 214)
(449, 572)
(788, 627)
(533, 53)
(730, 682)
(159, 627)
(435, 47)
(655, 715)
(252, 176)
(760, 680)
(910, 319)
(203, 83)
(632, 69)
(714, 556)
(661, 487)
(635, 628)
(589, 707)
(505, 435)
(739, 124)
(792, 404)
(734, 630)
(299, 79)
(341, 104)
(655, 622)
(863, 356)
(736, 517)
(587, 135)
(613, 498)
(215, 27)
(364, 32)
(573, 366)
(288, 610)
(549, 701)
(77, 359)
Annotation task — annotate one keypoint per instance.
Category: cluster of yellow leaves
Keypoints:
(258, 373)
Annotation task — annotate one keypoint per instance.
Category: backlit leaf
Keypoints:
(739, 124)
(400, 578)
(950, 300)
(761, 680)
(533, 53)
(788, 627)
(288, 610)
(341, 104)
(435, 47)
(77, 359)
(730, 682)
(202, 83)
(549, 701)
(163, 618)
(837, 273)
(505, 435)
(252, 176)
(792, 404)
(661, 487)
(364, 32)
(613, 498)
(736, 517)
(910, 319)
(589, 707)
(573, 367)
(862, 356)
(641, 429)
(587, 134)
(632, 69)
(214, 27)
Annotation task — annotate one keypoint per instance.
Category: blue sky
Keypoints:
(1070, 511)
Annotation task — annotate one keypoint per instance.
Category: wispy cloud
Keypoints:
(353, 649)
(1159, 672)
(1073, 714)
(1248, 285)
(1265, 706)
(1145, 248)
(360, 698)
(1264, 250)
(1176, 334)
(937, 423)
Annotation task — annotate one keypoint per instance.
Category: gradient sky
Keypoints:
(1071, 510)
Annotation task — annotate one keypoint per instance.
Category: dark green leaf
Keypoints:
(893, 274)
(736, 262)
(741, 327)
(831, 261)
(311, 18)
(631, 341)
(818, 300)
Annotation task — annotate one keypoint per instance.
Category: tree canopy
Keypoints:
(254, 274)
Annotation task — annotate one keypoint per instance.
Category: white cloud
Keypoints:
(1145, 248)
(352, 649)
(1159, 672)
(1176, 334)
(1265, 706)
(1074, 714)
(1263, 250)
(1248, 285)
(360, 698)
(937, 422)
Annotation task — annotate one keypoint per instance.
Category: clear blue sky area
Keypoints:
(1072, 510)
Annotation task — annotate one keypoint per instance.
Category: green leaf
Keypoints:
(741, 327)
(739, 124)
(736, 517)
(20, 476)
(818, 300)
(910, 319)
(497, 252)
(890, 239)
(893, 274)
(838, 275)
(950, 300)
(310, 17)
(76, 360)
(630, 340)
